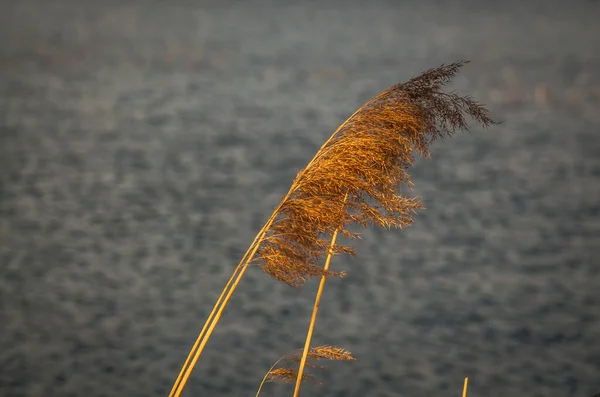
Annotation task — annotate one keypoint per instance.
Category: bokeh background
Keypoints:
(143, 144)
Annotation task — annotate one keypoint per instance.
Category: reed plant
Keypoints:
(359, 176)
(290, 374)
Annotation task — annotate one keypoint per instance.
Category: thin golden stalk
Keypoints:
(203, 339)
(228, 290)
(313, 317)
(176, 389)
(209, 321)
(199, 339)
(465, 387)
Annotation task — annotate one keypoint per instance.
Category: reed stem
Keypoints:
(214, 317)
(313, 317)
(204, 335)
(200, 336)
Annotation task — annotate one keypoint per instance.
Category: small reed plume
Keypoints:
(289, 374)
(355, 178)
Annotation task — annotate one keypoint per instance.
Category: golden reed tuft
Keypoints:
(355, 178)
(290, 375)
(356, 175)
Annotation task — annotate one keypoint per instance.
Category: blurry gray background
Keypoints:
(143, 145)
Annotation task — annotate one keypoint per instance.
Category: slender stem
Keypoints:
(465, 387)
(201, 342)
(201, 335)
(313, 317)
(243, 261)
(204, 335)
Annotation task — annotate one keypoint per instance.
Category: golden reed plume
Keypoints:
(355, 178)
(290, 375)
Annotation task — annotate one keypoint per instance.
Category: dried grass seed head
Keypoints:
(356, 177)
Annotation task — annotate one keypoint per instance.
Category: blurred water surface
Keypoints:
(143, 144)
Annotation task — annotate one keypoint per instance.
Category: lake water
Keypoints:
(144, 144)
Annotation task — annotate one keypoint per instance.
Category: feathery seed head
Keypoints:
(357, 175)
